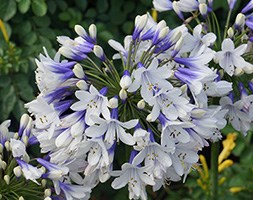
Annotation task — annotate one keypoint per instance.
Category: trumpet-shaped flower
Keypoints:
(93, 101)
(150, 79)
(230, 57)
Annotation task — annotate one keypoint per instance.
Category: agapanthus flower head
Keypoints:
(155, 105)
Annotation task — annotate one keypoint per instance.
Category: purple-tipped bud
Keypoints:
(231, 4)
(239, 21)
(139, 65)
(140, 23)
(99, 52)
(103, 91)
(126, 80)
(23, 123)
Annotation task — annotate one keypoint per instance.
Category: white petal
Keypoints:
(96, 130)
(228, 45)
(129, 124)
(126, 138)
(120, 181)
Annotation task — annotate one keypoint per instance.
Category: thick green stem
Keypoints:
(214, 171)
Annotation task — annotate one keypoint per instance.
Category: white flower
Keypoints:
(136, 178)
(18, 149)
(30, 172)
(171, 103)
(150, 79)
(112, 129)
(93, 102)
(197, 43)
(239, 119)
(230, 57)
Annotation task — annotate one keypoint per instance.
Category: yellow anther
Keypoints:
(154, 14)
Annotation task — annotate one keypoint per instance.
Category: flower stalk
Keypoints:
(214, 170)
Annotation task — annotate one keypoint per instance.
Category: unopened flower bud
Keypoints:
(238, 71)
(99, 52)
(183, 88)
(1, 148)
(43, 169)
(149, 118)
(43, 182)
(80, 30)
(140, 23)
(2, 164)
(123, 94)
(230, 32)
(240, 21)
(203, 9)
(24, 120)
(93, 31)
(78, 71)
(163, 33)
(47, 192)
(15, 136)
(21, 198)
(126, 80)
(7, 145)
(48, 198)
(7, 179)
(175, 36)
(25, 140)
(141, 104)
(82, 85)
(113, 102)
(17, 171)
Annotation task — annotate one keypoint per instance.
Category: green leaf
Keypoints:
(30, 38)
(102, 5)
(24, 28)
(24, 5)
(7, 9)
(82, 4)
(43, 21)
(5, 80)
(64, 16)
(25, 91)
(8, 100)
(18, 109)
(39, 7)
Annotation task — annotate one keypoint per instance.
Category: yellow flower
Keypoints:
(236, 189)
(225, 164)
(228, 146)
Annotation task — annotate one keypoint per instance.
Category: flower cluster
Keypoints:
(161, 98)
